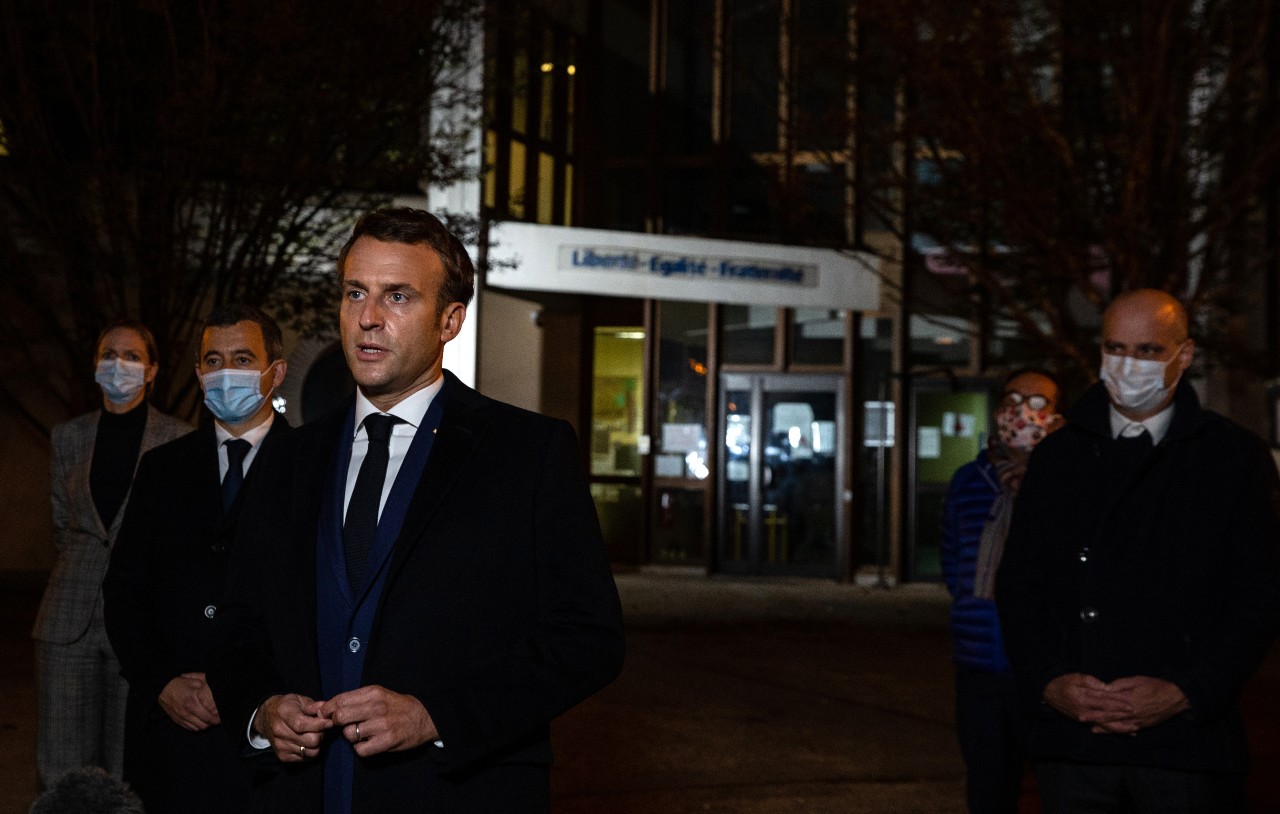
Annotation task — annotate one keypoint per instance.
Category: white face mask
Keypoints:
(120, 379)
(1136, 385)
(233, 395)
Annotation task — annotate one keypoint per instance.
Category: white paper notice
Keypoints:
(929, 442)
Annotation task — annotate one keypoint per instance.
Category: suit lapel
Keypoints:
(85, 437)
(152, 436)
(461, 427)
(210, 487)
(313, 478)
(213, 488)
(151, 433)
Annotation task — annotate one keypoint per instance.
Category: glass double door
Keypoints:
(781, 474)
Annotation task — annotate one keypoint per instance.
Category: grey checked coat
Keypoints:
(84, 546)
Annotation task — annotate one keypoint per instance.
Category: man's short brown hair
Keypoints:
(417, 227)
(224, 316)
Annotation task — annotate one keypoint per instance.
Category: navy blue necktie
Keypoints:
(237, 450)
(362, 511)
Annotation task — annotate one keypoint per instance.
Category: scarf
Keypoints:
(1010, 464)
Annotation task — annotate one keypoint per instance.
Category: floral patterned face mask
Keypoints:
(1022, 422)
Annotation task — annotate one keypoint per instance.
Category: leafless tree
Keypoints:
(158, 158)
(1056, 153)
(1038, 156)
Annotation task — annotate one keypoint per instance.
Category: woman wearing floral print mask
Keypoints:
(1024, 419)
(976, 520)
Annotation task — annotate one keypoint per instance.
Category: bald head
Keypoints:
(1149, 326)
(1149, 304)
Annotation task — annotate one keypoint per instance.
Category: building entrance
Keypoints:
(781, 474)
(948, 429)
(617, 422)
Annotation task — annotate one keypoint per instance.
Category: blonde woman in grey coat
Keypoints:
(80, 694)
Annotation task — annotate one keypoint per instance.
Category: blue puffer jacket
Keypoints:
(976, 642)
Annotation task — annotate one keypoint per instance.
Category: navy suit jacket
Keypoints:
(498, 611)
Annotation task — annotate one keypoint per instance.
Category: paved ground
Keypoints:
(727, 706)
(738, 696)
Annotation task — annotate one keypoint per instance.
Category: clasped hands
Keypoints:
(1120, 707)
(373, 718)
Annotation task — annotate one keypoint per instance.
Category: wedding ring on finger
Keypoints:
(358, 738)
(302, 751)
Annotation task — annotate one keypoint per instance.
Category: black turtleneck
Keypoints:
(115, 454)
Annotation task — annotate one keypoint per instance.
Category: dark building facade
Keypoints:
(724, 402)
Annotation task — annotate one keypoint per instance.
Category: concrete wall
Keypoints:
(511, 350)
(529, 353)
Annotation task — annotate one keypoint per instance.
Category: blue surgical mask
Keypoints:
(233, 395)
(120, 379)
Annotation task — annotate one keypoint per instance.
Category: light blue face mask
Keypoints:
(120, 379)
(233, 395)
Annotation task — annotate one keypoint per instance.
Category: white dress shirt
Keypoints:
(1157, 425)
(411, 411)
(253, 436)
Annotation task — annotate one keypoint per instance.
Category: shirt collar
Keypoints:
(253, 436)
(1157, 425)
(410, 410)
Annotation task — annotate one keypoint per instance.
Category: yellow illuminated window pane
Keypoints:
(546, 187)
(568, 194)
(520, 92)
(515, 203)
(617, 400)
(490, 171)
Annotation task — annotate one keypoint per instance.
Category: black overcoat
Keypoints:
(163, 588)
(499, 611)
(1168, 569)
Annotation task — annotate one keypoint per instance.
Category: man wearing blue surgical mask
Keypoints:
(1138, 591)
(168, 569)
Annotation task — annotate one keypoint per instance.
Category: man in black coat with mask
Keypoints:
(1140, 586)
(168, 569)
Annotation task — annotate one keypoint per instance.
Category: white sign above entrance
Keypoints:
(535, 257)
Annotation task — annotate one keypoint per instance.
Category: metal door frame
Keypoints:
(758, 384)
(928, 385)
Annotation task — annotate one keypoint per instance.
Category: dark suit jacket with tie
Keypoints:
(166, 579)
(498, 610)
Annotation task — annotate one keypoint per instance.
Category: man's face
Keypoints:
(1146, 328)
(238, 347)
(393, 335)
